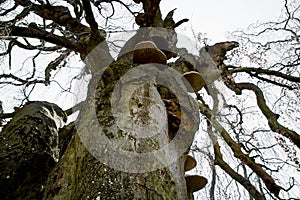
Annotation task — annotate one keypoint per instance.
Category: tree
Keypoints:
(137, 122)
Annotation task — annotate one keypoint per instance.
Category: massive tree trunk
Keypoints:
(79, 171)
(104, 130)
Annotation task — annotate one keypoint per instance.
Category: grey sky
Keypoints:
(216, 17)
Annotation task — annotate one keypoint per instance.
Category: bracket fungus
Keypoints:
(190, 163)
(163, 44)
(147, 52)
(195, 183)
(195, 80)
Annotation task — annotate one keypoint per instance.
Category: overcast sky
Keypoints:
(216, 17)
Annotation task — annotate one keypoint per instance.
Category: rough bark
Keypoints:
(29, 150)
(88, 178)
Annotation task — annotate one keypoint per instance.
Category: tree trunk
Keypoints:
(126, 174)
(93, 163)
(29, 150)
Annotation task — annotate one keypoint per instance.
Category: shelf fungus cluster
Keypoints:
(148, 52)
(193, 182)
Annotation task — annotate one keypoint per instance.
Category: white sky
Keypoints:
(216, 17)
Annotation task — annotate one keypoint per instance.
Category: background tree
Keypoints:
(43, 158)
(268, 60)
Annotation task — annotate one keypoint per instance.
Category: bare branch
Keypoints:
(44, 35)
(219, 161)
(271, 117)
(256, 71)
(53, 65)
(236, 149)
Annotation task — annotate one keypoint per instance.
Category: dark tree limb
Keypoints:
(5, 12)
(243, 181)
(251, 70)
(261, 102)
(169, 21)
(25, 12)
(44, 35)
(151, 16)
(17, 81)
(271, 117)
(59, 14)
(89, 16)
(28, 46)
(75, 108)
(95, 36)
(179, 23)
(53, 65)
(226, 167)
(238, 153)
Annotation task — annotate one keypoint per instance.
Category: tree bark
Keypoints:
(89, 178)
(29, 150)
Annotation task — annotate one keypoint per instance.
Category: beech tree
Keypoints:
(149, 111)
